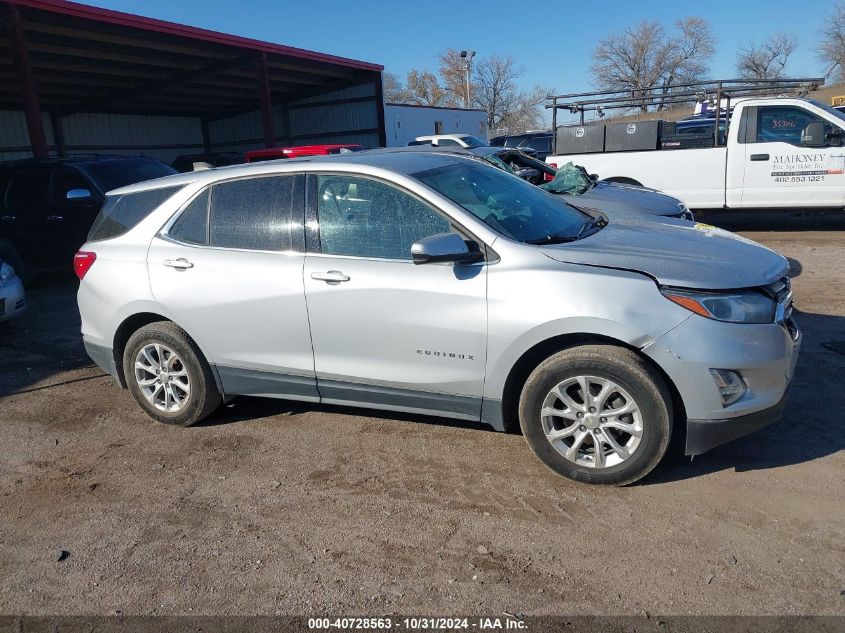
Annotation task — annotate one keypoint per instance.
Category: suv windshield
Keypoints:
(507, 204)
(832, 111)
(113, 174)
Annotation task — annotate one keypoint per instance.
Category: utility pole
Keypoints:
(467, 57)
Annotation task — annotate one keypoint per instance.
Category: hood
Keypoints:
(608, 196)
(679, 254)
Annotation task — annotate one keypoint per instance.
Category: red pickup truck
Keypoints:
(274, 153)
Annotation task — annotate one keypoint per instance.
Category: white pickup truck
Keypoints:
(779, 152)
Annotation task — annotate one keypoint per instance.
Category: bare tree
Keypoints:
(645, 59)
(391, 84)
(831, 46)
(423, 88)
(496, 78)
(453, 77)
(767, 60)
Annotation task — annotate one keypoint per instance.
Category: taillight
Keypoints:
(553, 165)
(82, 262)
(548, 177)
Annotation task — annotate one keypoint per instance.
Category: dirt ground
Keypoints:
(275, 507)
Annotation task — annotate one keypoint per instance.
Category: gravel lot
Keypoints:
(279, 507)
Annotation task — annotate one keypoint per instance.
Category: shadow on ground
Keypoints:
(766, 220)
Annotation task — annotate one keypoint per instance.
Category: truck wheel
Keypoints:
(168, 376)
(596, 414)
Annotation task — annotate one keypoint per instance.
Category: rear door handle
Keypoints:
(179, 264)
(759, 157)
(330, 277)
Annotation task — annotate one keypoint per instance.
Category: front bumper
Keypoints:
(765, 355)
(702, 435)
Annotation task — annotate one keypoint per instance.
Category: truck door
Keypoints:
(779, 171)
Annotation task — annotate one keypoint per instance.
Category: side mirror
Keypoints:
(445, 247)
(79, 195)
(814, 135)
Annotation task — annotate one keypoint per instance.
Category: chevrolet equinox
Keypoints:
(434, 284)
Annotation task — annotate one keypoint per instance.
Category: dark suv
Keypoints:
(535, 144)
(48, 205)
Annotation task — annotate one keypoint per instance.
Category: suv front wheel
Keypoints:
(597, 414)
(168, 376)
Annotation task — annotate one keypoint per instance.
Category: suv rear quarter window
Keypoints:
(122, 213)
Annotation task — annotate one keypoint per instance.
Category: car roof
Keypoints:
(432, 137)
(398, 160)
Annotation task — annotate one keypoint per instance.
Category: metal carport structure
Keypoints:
(79, 79)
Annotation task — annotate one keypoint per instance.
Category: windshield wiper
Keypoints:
(558, 238)
(597, 222)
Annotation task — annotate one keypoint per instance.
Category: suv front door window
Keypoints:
(378, 319)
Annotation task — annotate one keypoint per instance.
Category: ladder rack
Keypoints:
(681, 93)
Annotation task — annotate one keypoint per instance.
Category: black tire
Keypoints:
(204, 397)
(627, 370)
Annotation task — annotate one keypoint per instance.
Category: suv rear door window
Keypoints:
(29, 190)
(252, 213)
(367, 218)
(122, 213)
(538, 143)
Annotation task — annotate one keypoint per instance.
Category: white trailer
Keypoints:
(406, 122)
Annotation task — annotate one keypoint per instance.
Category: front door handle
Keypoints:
(330, 277)
(178, 264)
(759, 157)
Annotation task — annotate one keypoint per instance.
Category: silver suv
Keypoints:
(435, 284)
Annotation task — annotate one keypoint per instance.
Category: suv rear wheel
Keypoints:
(168, 376)
(597, 414)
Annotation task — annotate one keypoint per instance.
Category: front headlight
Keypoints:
(741, 306)
(6, 273)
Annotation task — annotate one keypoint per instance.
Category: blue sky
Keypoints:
(552, 40)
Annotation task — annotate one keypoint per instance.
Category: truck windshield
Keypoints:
(508, 205)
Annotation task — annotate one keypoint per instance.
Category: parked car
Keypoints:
(449, 140)
(274, 153)
(190, 162)
(578, 187)
(12, 295)
(48, 205)
(535, 144)
(430, 283)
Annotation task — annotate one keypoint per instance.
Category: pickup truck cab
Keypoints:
(779, 152)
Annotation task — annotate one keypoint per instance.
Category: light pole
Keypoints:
(467, 57)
